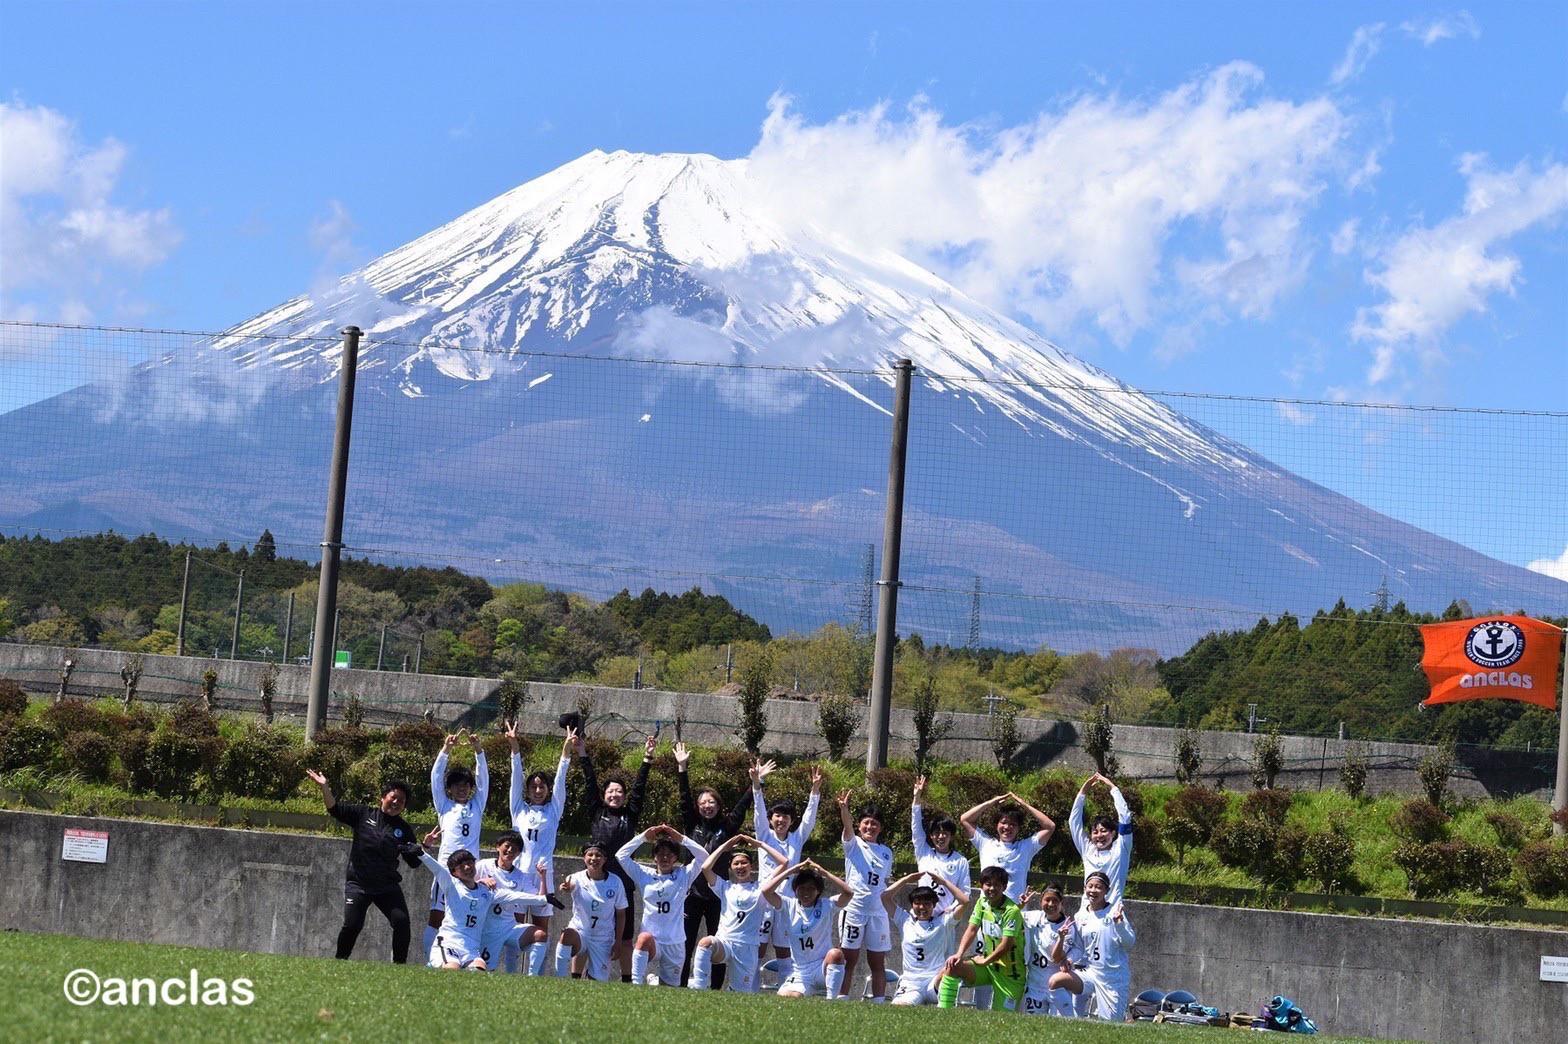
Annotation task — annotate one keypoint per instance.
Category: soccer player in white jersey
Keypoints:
(537, 804)
(777, 826)
(740, 915)
(1009, 848)
(507, 871)
(925, 930)
(599, 905)
(1107, 845)
(663, 886)
(1105, 935)
(934, 852)
(459, 796)
(1040, 933)
(817, 966)
(863, 925)
(471, 904)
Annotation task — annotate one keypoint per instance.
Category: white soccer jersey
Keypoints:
(538, 823)
(1012, 856)
(468, 910)
(521, 879)
(1105, 942)
(954, 865)
(867, 868)
(1039, 938)
(1112, 862)
(459, 823)
(791, 846)
(594, 904)
(926, 944)
(810, 929)
(663, 895)
(740, 911)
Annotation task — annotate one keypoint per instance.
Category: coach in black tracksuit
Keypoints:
(380, 836)
(612, 820)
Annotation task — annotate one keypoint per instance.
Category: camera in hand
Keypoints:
(571, 720)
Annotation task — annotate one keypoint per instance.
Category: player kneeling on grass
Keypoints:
(664, 886)
(816, 965)
(1040, 930)
(1104, 936)
(926, 933)
(997, 925)
(863, 925)
(598, 915)
(505, 869)
(476, 910)
(740, 916)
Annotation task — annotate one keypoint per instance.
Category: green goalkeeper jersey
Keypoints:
(995, 924)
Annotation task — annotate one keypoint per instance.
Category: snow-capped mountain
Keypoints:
(1091, 514)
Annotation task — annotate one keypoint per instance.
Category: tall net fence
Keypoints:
(498, 499)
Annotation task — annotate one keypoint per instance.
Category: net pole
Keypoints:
(1560, 791)
(332, 540)
(887, 605)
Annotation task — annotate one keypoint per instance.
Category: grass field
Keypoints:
(303, 997)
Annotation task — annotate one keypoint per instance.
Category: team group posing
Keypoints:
(711, 909)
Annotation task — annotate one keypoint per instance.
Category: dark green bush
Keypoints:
(72, 716)
(262, 762)
(1193, 816)
(1327, 857)
(169, 765)
(132, 749)
(423, 737)
(193, 721)
(837, 719)
(1434, 771)
(90, 755)
(1268, 852)
(363, 780)
(332, 760)
(1437, 867)
(29, 744)
(1511, 831)
(1543, 866)
(498, 759)
(1419, 821)
(1353, 770)
(891, 790)
(355, 742)
(13, 701)
(1269, 804)
(969, 784)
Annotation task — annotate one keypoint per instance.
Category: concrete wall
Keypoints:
(282, 893)
(1144, 752)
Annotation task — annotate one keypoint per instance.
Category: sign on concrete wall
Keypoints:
(1554, 969)
(85, 846)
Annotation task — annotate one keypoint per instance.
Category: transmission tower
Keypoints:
(865, 604)
(1381, 594)
(974, 616)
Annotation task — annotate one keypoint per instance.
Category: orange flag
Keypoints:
(1492, 658)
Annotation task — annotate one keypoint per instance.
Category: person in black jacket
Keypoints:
(705, 823)
(380, 836)
(612, 820)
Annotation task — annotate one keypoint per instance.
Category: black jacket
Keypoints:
(613, 827)
(372, 858)
(711, 833)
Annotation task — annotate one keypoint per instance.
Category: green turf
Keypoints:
(305, 997)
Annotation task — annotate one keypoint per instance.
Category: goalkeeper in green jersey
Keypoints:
(998, 923)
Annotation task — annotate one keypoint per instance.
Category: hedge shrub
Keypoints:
(90, 755)
(1420, 822)
(1543, 866)
(13, 700)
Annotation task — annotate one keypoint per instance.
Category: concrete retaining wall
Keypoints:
(282, 893)
(1144, 752)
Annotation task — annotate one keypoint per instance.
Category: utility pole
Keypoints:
(288, 628)
(382, 648)
(729, 662)
(1560, 792)
(332, 537)
(419, 651)
(239, 594)
(185, 597)
(892, 540)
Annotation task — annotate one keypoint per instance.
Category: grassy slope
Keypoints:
(300, 997)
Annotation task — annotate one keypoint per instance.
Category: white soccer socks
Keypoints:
(536, 955)
(563, 960)
(640, 966)
(701, 968)
(833, 975)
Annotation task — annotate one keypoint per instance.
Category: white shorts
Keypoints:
(868, 931)
(597, 950)
(914, 991)
(437, 897)
(1110, 995)
(741, 957)
(810, 981)
(453, 951)
(773, 931)
(669, 955)
(1037, 1002)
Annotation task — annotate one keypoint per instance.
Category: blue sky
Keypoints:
(1315, 200)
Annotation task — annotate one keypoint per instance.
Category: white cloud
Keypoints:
(66, 242)
(1433, 277)
(1364, 43)
(1344, 238)
(1294, 414)
(1555, 567)
(1105, 210)
(1445, 27)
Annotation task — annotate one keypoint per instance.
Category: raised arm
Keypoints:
(558, 788)
(917, 821)
(808, 818)
(1058, 954)
(770, 889)
(1047, 825)
(778, 857)
(640, 785)
(590, 777)
(517, 800)
(714, 857)
(1080, 836)
(960, 895)
(759, 802)
(896, 889)
(738, 813)
(844, 891)
(623, 856)
(683, 776)
(970, 820)
(843, 816)
(438, 796)
(481, 771)
(326, 789)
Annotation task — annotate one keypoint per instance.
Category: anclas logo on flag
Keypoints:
(1492, 658)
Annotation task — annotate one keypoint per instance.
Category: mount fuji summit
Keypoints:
(629, 372)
